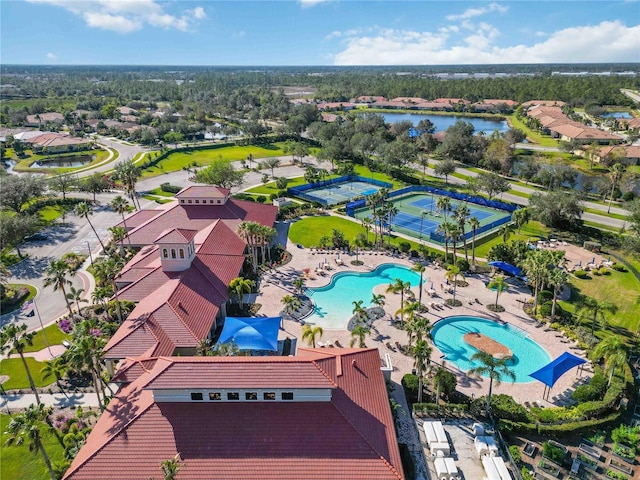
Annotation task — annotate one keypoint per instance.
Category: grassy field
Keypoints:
(176, 161)
(18, 463)
(364, 171)
(18, 377)
(32, 293)
(308, 231)
(620, 288)
(543, 140)
(530, 230)
(55, 336)
(270, 188)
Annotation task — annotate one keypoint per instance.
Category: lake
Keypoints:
(68, 162)
(442, 122)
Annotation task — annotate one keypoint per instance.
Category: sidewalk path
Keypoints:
(14, 401)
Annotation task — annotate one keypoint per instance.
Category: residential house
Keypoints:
(58, 143)
(321, 415)
(626, 154)
(41, 118)
(127, 111)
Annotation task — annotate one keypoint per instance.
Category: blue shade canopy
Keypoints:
(251, 333)
(551, 372)
(507, 267)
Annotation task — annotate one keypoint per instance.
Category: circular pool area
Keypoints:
(448, 336)
(334, 302)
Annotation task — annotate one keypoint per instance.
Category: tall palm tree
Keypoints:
(594, 310)
(75, 295)
(358, 334)
(272, 163)
(520, 217)
(392, 211)
(56, 274)
(106, 271)
(474, 223)
(27, 427)
(367, 223)
(410, 309)
(15, 337)
(85, 211)
(444, 205)
(378, 299)
(536, 266)
(500, 284)
(85, 353)
(359, 312)
(398, 286)
(613, 350)
(419, 268)
(505, 232)
(495, 368)
(615, 174)
(417, 326)
(239, 286)
(445, 229)
(455, 233)
(121, 206)
(128, 173)
(312, 333)
(453, 272)
(421, 353)
(56, 367)
(291, 303)
(118, 234)
(461, 215)
(557, 280)
(439, 379)
(298, 284)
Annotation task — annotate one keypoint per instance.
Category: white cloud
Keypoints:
(238, 34)
(125, 16)
(476, 12)
(311, 3)
(52, 56)
(604, 42)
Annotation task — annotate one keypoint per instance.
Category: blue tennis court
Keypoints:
(415, 224)
(426, 203)
(342, 192)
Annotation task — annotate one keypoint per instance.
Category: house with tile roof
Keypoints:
(627, 154)
(323, 414)
(38, 119)
(189, 252)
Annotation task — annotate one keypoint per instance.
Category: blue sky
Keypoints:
(317, 32)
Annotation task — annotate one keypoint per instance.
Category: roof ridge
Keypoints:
(206, 273)
(140, 325)
(151, 270)
(325, 374)
(180, 318)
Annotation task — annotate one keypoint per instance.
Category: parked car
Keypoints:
(36, 237)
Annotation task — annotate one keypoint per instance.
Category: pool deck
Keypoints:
(384, 335)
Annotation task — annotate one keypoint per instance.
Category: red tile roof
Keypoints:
(131, 368)
(203, 191)
(176, 235)
(352, 436)
(138, 217)
(198, 217)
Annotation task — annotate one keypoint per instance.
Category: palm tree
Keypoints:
(613, 350)
(239, 286)
(520, 217)
(398, 286)
(291, 303)
(494, 368)
(455, 233)
(26, 426)
(76, 296)
(106, 271)
(445, 229)
(272, 163)
(505, 232)
(298, 284)
(419, 268)
(367, 223)
(227, 349)
(15, 338)
(474, 223)
(85, 210)
(444, 205)
(311, 333)
(453, 272)
(358, 334)
(417, 326)
(56, 274)
(461, 214)
(118, 235)
(594, 310)
(438, 379)
(85, 353)
(128, 173)
(500, 284)
(171, 467)
(536, 266)
(421, 353)
(121, 206)
(392, 211)
(557, 280)
(410, 309)
(56, 367)
(378, 300)
(359, 312)
(615, 174)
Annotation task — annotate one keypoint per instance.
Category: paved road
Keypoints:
(631, 94)
(13, 402)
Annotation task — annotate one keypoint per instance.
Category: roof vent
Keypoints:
(354, 364)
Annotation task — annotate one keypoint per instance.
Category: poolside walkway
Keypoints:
(385, 336)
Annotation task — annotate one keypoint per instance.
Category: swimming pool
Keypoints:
(334, 302)
(448, 334)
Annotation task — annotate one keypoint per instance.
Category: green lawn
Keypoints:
(364, 171)
(270, 188)
(24, 164)
(543, 140)
(55, 336)
(530, 230)
(18, 463)
(18, 377)
(32, 293)
(308, 231)
(50, 212)
(176, 161)
(605, 214)
(158, 191)
(621, 289)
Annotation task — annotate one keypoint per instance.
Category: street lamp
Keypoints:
(90, 256)
(424, 212)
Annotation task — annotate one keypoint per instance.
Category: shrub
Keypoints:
(604, 271)
(581, 274)
(514, 451)
(463, 264)
(504, 406)
(553, 452)
(545, 309)
(410, 385)
(261, 199)
(167, 187)
(592, 246)
(626, 434)
(593, 390)
(405, 247)
(619, 267)
(544, 296)
(628, 196)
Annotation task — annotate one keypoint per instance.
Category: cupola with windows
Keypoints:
(177, 249)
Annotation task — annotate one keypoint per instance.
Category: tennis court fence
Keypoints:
(300, 190)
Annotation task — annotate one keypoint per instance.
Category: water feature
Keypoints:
(442, 122)
(334, 302)
(448, 337)
(67, 162)
(617, 115)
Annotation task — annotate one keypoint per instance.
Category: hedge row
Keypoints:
(567, 427)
